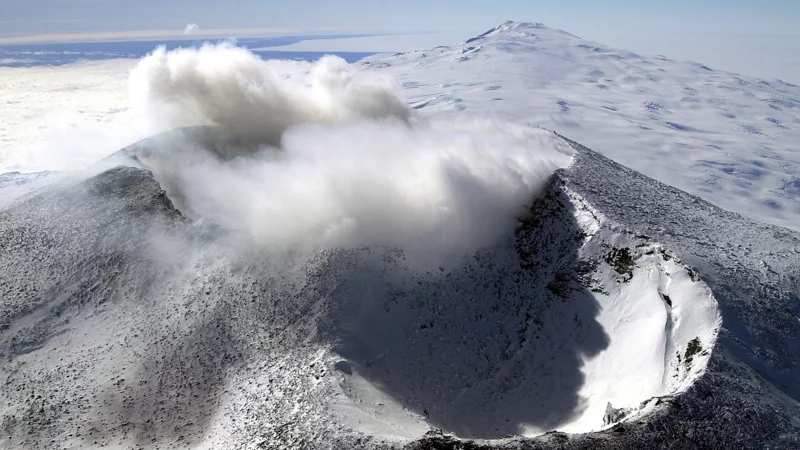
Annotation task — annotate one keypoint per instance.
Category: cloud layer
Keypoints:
(65, 118)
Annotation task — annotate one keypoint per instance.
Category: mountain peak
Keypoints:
(518, 28)
(510, 25)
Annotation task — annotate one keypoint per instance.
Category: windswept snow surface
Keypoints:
(588, 340)
(731, 139)
(354, 274)
(173, 333)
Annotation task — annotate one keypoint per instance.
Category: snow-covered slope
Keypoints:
(731, 139)
(143, 304)
(126, 325)
(577, 318)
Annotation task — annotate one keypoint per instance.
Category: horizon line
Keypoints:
(180, 35)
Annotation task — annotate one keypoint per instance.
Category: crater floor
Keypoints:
(576, 328)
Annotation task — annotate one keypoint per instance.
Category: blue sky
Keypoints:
(773, 16)
(762, 36)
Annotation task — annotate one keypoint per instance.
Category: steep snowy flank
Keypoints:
(573, 322)
(728, 138)
(577, 329)
(352, 274)
(15, 184)
(126, 324)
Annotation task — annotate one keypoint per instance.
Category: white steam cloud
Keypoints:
(250, 99)
(334, 158)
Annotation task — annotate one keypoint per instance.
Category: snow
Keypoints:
(648, 337)
(219, 346)
(726, 137)
(616, 301)
(362, 406)
(729, 138)
(644, 356)
(14, 185)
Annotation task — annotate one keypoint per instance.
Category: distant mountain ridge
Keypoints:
(728, 138)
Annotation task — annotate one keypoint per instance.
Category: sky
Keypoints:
(753, 37)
